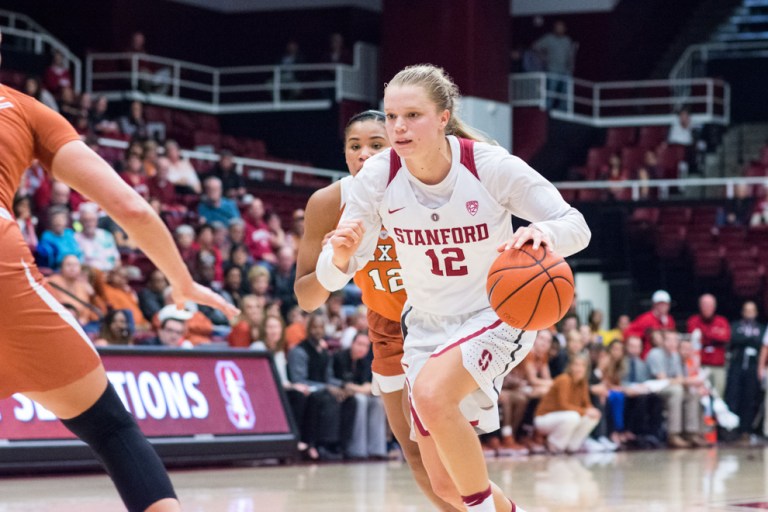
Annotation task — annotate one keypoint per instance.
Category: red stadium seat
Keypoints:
(670, 241)
(598, 157)
(632, 158)
(707, 263)
(619, 137)
(679, 215)
(652, 136)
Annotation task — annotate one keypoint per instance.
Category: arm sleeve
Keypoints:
(363, 201)
(51, 131)
(527, 194)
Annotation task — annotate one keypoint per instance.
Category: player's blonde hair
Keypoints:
(443, 92)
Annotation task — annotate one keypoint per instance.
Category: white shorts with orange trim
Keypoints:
(489, 348)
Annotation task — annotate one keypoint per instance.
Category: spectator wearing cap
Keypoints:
(199, 327)
(658, 318)
(226, 170)
(173, 327)
(714, 332)
(213, 206)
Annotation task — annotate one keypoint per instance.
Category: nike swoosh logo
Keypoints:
(395, 210)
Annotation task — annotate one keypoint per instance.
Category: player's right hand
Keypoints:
(345, 241)
(199, 294)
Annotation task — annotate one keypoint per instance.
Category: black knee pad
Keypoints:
(130, 460)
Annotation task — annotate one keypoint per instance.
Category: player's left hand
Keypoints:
(523, 235)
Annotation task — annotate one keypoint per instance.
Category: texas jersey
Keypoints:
(447, 234)
(28, 130)
(380, 280)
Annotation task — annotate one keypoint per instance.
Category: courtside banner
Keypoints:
(174, 393)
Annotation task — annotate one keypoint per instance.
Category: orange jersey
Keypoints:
(380, 281)
(42, 347)
(28, 130)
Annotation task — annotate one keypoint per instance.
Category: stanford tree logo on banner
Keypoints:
(232, 387)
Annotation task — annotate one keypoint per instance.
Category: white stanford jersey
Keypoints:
(445, 250)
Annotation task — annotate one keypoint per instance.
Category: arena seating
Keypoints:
(733, 255)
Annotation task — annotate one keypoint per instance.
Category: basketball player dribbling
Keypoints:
(380, 282)
(446, 199)
(44, 354)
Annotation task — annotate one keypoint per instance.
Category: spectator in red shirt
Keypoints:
(715, 334)
(57, 74)
(133, 174)
(162, 188)
(658, 318)
(258, 236)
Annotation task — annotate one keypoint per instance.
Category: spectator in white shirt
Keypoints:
(180, 172)
(98, 245)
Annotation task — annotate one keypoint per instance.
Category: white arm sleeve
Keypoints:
(365, 194)
(528, 195)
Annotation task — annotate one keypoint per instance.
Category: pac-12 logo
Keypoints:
(232, 388)
(472, 207)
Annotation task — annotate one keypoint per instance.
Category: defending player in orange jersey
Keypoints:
(44, 354)
(379, 281)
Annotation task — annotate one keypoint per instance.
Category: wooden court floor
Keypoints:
(714, 480)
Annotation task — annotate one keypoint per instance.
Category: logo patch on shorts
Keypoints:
(485, 360)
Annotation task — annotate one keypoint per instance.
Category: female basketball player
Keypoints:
(447, 200)
(380, 282)
(44, 353)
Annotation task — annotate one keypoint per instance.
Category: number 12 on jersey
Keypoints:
(394, 280)
(451, 256)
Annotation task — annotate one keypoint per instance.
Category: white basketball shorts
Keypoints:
(489, 347)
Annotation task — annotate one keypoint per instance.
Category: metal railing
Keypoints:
(180, 84)
(20, 21)
(693, 62)
(634, 103)
(710, 187)
(250, 167)
(40, 41)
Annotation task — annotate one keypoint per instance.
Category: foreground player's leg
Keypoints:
(439, 389)
(439, 478)
(91, 409)
(396, 405)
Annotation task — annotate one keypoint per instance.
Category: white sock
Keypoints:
(506, 431)
(480, 502)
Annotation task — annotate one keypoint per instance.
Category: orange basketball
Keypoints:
(529, 289)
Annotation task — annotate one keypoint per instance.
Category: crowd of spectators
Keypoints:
(232, 242)
(642, 384)
(583, 387)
